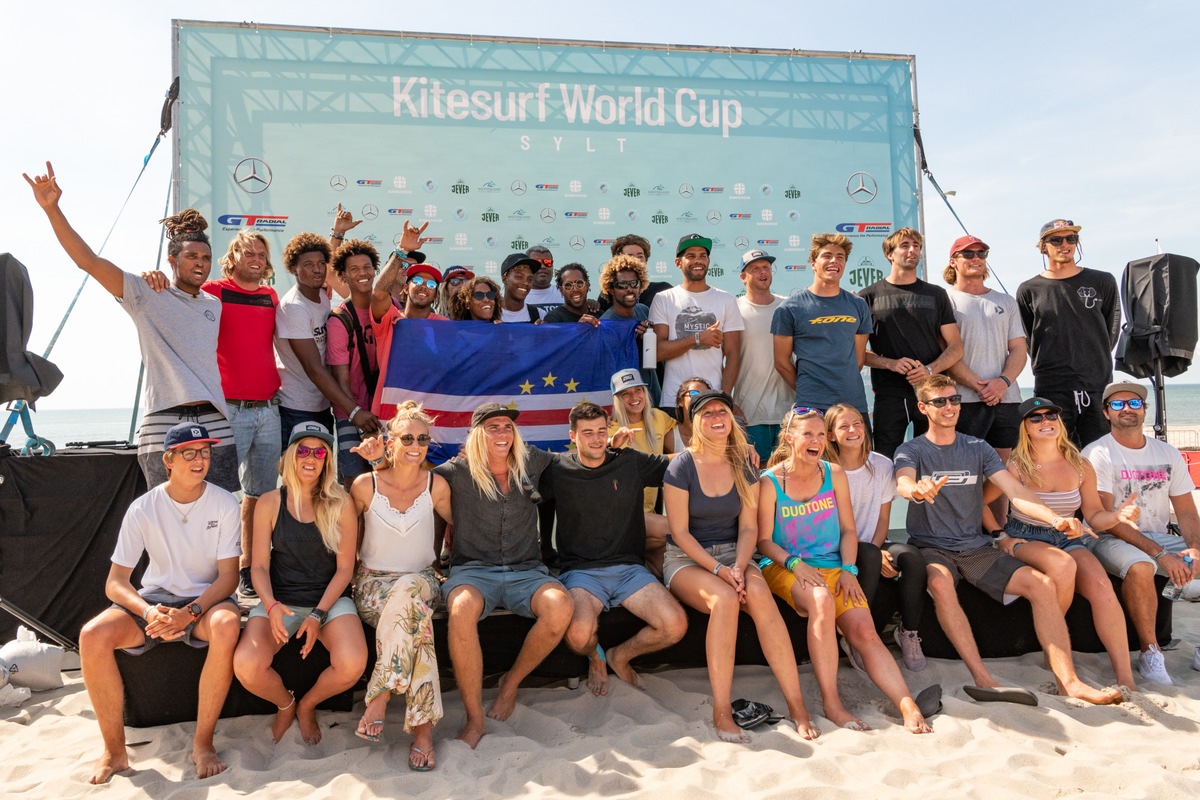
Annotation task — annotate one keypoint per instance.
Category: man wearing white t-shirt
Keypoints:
(699, 327)
(761, 392)
(191, 532)
(1126, 461)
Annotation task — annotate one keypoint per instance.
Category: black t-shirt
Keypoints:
(562, 314)
(908, 320)
(600, 521)
(1072, 326)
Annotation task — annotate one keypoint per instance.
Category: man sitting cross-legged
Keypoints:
(942, 473)
(191, 531)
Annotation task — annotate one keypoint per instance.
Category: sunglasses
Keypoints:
(423, 280)
(422, 440)
(545, 262)
(190, 455)
(634, 284)
(1057, 240)
(456, 281)
(940, 402)
(971, 255)
(1136, 404)
(571, 286)
(798, 410)
(488, 295)
(304, 451)
(1048, 416)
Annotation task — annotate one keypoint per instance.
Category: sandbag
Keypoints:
(31, 663)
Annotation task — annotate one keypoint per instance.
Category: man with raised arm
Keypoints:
(178, 331)
(942, 473)
(189, 530)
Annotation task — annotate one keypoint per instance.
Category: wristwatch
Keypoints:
(851, 568)
(195, 610)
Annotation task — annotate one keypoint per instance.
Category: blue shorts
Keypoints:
(350, 465)
(1039, 533)
(257, 438)
(611, 585)
(501, 587)
(341, 607)
(763, 438)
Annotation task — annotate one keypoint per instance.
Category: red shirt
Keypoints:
(245, 351)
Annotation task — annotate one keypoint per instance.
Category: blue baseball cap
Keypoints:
(187, 433)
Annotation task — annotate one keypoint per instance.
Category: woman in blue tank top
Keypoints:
(305, 538)
(806, 532)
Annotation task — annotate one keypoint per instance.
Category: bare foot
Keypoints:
(597, 675)
(207, 762)
(107, 764)
(913, 719)
(1101, 697)
(727, 730)
(310, 729)
(620, 667)
(283, 720)
(506, 700)
(839, 716)
(472, 731)
(804, 726)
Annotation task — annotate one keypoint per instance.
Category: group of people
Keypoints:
(246, 390)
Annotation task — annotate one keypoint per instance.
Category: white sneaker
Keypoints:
(1196, 660)
(1153, 667)
(910, 649)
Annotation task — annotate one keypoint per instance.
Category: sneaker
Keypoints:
(1196, 659)
(1153, 667)
(1191, 591)
(854, 656)
(245, 585)
(910, 649)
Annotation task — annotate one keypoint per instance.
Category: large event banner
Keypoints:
(503, 144)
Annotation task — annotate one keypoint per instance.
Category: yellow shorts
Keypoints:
(781, 582)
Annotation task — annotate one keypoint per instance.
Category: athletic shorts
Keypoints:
(987, 569)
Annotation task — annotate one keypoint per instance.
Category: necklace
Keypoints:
(184, 512)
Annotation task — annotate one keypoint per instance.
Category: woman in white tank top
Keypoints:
(396, 587)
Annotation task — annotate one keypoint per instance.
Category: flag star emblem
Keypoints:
(526, 387)
(549, 378)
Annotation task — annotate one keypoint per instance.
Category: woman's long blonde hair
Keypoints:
(833, 451)
(736, 452)
(621, 416)
(474, 450)
(327, 499)
(1022, 455)
(783, 450)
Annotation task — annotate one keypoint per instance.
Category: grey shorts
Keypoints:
(1118, 556)
(675, 559)
(987, 569)
(610, 585)
(166, 599)
(341, 607)
(501, 587)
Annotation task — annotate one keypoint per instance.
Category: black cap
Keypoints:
(706, 397)
(518, 260)
(489, 410)
(1036, 404)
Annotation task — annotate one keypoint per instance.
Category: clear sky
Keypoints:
(1029, 111)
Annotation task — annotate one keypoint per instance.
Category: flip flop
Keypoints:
(362, 734)
(415, 767)
(748, 713)
(1003, 694)
(929, 700)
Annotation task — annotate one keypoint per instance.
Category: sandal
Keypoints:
(361, 731)
(412, 763)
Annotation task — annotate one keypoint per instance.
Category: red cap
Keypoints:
(966, 243)
(423, 269)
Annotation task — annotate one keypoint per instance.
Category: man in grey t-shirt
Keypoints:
(941, 473)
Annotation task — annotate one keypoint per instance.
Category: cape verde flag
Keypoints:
(451, 368)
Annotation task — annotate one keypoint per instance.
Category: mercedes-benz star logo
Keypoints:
(741, 243)
(862, 187)
(548, 215)
(714, 216)
(370, 211)
(577, 242)
(252, 175)
(518, 187)
(685, 190)
(338, 182)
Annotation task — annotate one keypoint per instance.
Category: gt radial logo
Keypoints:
(736, 215)
(369, 183)
(864, 227)
(575, 214)
(400, 212)
(712, 190)
(272, 222)
(768, 242)
(546, 187)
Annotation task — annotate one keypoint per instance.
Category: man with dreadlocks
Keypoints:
(177, 332)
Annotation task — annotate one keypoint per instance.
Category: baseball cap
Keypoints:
(693, 240)
(1056, 225)
(416, 256)
(626, 379)
(489, 410)
(303, 430)
(755, 255)
(187, 433)
(965, 243)
(458, 270)
(1125, 386)
(518, 260)
(704, 398)
(423, 269)
(1036, 404)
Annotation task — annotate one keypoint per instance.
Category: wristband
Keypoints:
(146, 613)
(336, 235)
(1054, 522)
(271, 607)
(928, 370)
(998, 535)
(319, 615)
(790, 564)
(1007, 382)
(717, 568)
(400, 253)
(353, 413)
(851, 568)
(1159, 554)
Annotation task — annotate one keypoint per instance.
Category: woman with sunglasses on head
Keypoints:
(1050, 464)
(711, 497)
(806, 533)
(478, 299)
(682, 437)
(305, 537)
(452, 280)
(397, 586)
(872, 489)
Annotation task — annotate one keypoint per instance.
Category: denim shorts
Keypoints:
(256, 435)
(341, 607)
(501, 587)
(1118, 556)
(1039, 533)
(611, 585)
(675, 559)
